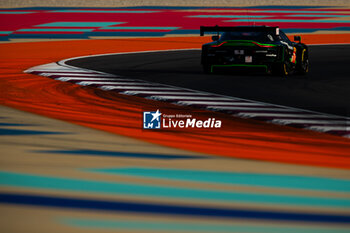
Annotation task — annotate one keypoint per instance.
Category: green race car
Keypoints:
(254, 47)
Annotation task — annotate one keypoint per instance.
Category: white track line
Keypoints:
(63, 71)
(65, 79)
(81, 75)
(57, 68)
(167, 97)
(63, 62)
(117, 82)
(86, 83)
(135, 88)
(329, 128)
(161, 93)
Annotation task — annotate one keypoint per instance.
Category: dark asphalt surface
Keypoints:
(325, 89)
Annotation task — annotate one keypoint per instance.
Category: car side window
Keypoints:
(270, 37)
(284, 37)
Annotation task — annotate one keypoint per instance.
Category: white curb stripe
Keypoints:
(65, 79)
(63, 71)
(329, 128)
(86, 83)
(161, 93)
(73, 74)
(167, 97)
(135, 88)
(277, 114)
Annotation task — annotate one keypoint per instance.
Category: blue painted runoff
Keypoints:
(13, 124)
(172, 210)
(18, 132)
(121, 154)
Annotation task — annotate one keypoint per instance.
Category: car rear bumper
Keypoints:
(241, 67)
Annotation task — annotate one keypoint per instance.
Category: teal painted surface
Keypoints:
(324, 16)
(11, 179)
(246, 179)
(79, 24)
(297, 11)
(55, 30)
(57, 17)
(194, 227)
(102, 11)
(230, 16)
(5, 32)
(142, 28)
(16, 12)
(332, 21)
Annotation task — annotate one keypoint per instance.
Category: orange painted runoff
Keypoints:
(121, 114)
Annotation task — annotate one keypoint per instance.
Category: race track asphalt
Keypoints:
(325, 89)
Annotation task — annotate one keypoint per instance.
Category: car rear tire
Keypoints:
(303, 63)
(285, 69)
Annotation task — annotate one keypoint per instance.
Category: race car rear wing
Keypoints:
(274, 30)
